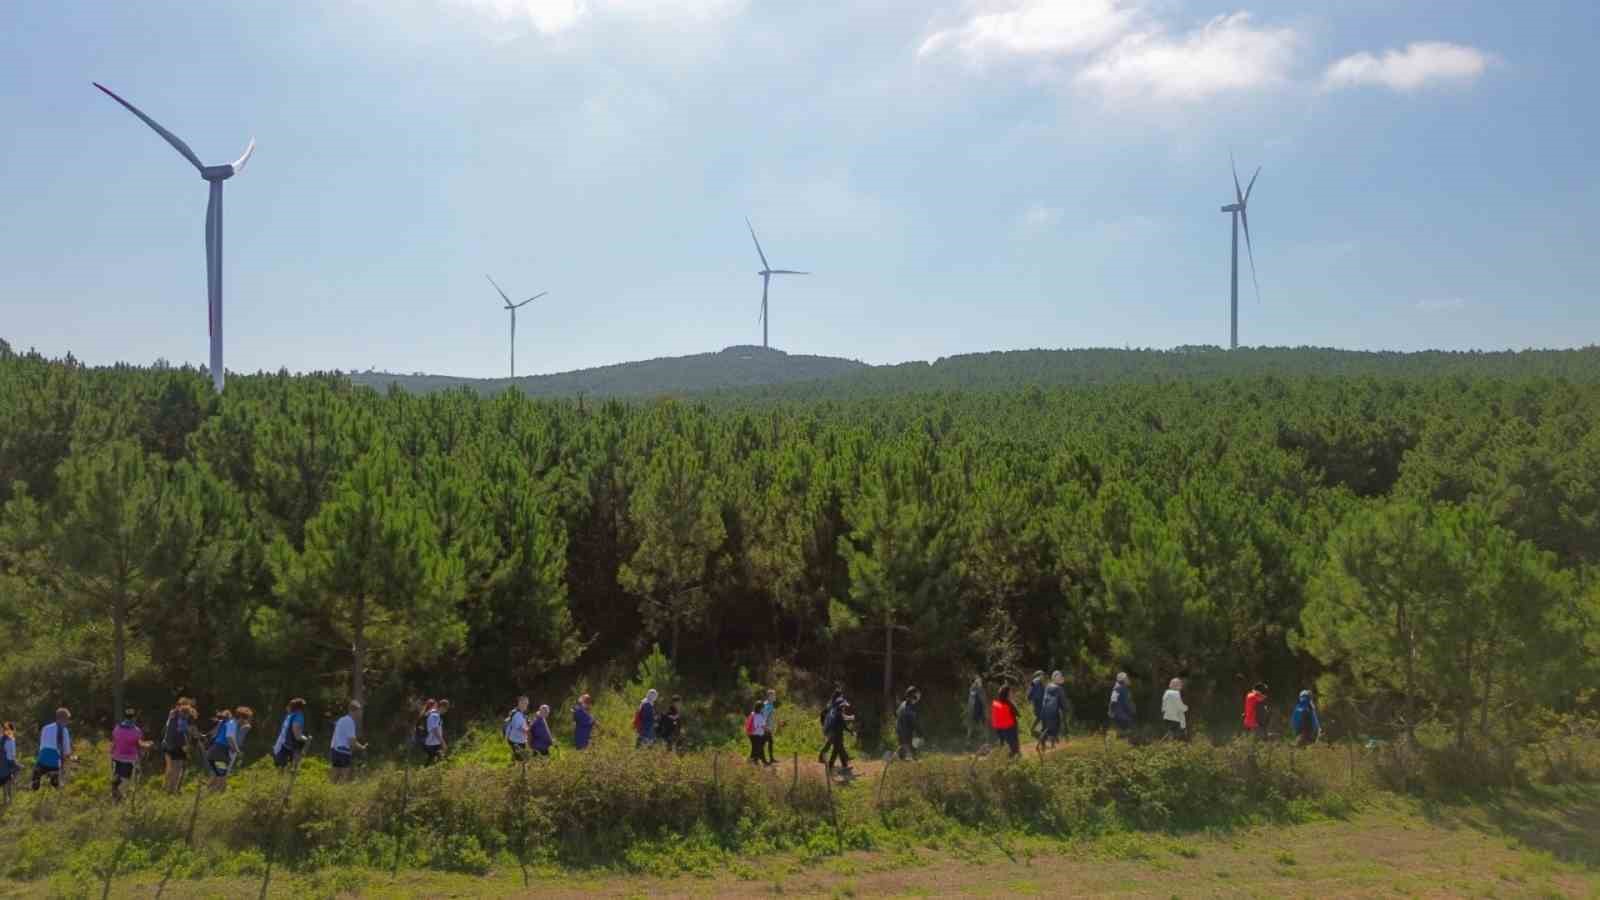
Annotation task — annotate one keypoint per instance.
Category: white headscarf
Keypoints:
(650, 696)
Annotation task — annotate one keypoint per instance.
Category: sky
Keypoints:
(959, 176)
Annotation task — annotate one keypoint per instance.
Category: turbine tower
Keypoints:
(215, 176)
(766, 273)
(1240, 210)
(512, 308)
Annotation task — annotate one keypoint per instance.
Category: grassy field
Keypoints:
(1543, 843)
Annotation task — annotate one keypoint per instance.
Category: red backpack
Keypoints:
(750, 724)
(638, 720)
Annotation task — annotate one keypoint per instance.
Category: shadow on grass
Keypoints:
(1562, 821)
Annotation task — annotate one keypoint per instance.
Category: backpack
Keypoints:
(172, 736)
(419, 735)
(750, 724)
(638, 720)
(1050, 706)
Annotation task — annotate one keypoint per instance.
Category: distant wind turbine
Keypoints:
(766, 273)
(1240, 210)
(513, 307)
(215, 175)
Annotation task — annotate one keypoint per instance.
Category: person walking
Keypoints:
(1175, 712)
(906, 728)
(644, 720)
(1121, 709)
(1254, 707)
(1036, 702)
(517, 729)
(227, 744)
(1054, 709)
(341, 749)
(1307, 727)
(582, 723)
(755, 728)
(127, 743)
(292, 740)
(977, 711)
(841, 719)
(539, 736)
(669, 725)
(55, 750)
(435, 745)
(769, 713)
(9, 767)
(1003, 719)
(175, 741)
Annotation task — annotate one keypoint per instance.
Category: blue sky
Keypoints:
(961, 176)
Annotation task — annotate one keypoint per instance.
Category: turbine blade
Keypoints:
(533, 298)
(502, 293)
(1252, 185)
(759, 252)
(238, 164)
(1238, 195)
(171, 138)
(1244, 219)
(788, 272)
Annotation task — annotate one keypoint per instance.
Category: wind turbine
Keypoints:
(766, 273)
(513, 307)
(1240, 210)
(215, 176)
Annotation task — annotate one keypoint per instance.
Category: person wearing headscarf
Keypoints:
(1054, 709)
(1307, 727)
(644, 720)
(539, 737)
(1121, 708)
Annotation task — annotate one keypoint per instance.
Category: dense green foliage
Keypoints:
(1231, 518)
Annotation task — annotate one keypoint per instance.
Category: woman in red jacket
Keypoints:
(1003, 718)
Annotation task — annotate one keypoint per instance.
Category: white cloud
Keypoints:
(553, 16)
(1447, 304)
(1035, 28)
(1419, 65)
(1123, 49)
(1229, 53)
(1039, 218)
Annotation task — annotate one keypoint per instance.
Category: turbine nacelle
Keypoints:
(1232, 208)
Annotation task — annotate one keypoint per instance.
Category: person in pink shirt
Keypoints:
(127, 742)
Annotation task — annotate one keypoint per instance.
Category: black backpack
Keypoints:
(419, 735)
(172, 736)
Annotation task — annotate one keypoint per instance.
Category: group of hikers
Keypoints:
(220, 745)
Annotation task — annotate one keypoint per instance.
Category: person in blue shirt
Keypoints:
(644, 720)
(582, 723)
(292, 738)
(9, 767)
(227, 744)
(1307, 727)
(1121, 708)
(539, 733)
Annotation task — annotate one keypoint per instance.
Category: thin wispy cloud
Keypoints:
(1419, 65)
(1039, 218)
(555, 16)
(1123, 49)
(1446, 304)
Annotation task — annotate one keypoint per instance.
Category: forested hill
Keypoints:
(752, 373)
(735, 367)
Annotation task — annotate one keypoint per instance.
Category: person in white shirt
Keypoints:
(55, 750)
(341, 749)
(1174, 711)
(517, 729)
(434, 744)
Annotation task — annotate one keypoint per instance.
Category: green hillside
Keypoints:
(735, 367)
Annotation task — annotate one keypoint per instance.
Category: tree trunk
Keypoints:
(888, 663)
(358, 653)
(119, 653)
(672, 654)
